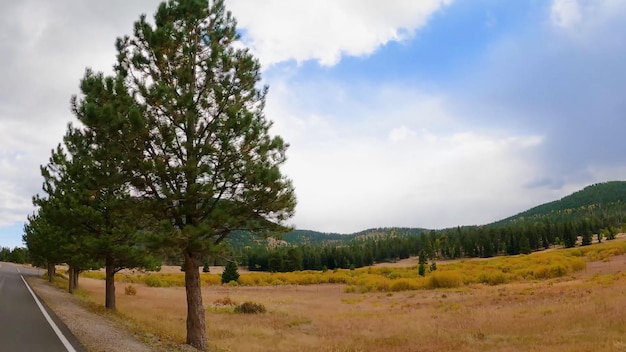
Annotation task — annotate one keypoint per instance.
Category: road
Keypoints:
(25, 324)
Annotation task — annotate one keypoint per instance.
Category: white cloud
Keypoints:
(324, 30)
(565, 13)
(402, 161)
(586, 17)
(401, 133)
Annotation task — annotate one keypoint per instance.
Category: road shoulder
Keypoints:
(96, 332)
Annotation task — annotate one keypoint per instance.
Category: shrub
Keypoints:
(350, 289)
(225, 301)
(130, 290)
(155, 281)
(250, 308)
(445, 279)
(210, 279)
(402, 285)
(494, 278)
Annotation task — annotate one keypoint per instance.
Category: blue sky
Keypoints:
(430, 113)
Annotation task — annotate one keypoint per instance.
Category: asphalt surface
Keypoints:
(23, 324)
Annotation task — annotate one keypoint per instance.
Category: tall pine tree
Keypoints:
(200, 150)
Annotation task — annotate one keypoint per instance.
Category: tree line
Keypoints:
(522, 236)
(17, 255)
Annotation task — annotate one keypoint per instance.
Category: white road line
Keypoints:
(18, 269)
(54, 326)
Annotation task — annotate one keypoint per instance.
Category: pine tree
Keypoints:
(87, 218)
(586, 233)
(231, 272)
(197, 143)
(44, 241)
(569, 236)
(421, 269)
(58, 222)
(114, 221)
(524, 245)
(205, 267)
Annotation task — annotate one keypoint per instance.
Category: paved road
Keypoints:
(23, 325)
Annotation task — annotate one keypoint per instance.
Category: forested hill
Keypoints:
(596, 213)
(296, 237)
(309, 237)
(607, 194)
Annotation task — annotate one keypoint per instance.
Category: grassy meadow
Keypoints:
(558, 300)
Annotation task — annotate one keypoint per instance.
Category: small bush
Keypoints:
(155, 281)
(350, 289)
(443, 279)
(250, 308)
(209, 279)
(225, 301)
(401, 285)
(494, 278)
(130, 290)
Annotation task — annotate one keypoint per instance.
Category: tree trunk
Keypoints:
(109, 300)
(70, 280)
(51, 272)
(196, 327)
(75, 279)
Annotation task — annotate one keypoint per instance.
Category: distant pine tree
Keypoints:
(421, 269)
(524, 245)
(231, 272)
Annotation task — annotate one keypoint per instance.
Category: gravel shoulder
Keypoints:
(98, 333)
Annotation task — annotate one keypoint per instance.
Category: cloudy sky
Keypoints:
(422, 113)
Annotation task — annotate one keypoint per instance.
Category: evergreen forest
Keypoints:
(593, 214)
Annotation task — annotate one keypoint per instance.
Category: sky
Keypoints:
(407, 113)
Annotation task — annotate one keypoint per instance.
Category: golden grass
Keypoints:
(577, 311)
(496, 271)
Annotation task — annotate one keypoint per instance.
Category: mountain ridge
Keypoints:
(600, 194)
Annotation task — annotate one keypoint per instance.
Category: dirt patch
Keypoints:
(612, 265)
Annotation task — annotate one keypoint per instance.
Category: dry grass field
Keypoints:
(582, 311)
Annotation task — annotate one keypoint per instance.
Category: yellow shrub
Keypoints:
(445, 279)
(98, 275)
(211, 279)
(350, 289)
(494, 278)
(406, 285)
(130, 290)
(155, 281)
(578, 264)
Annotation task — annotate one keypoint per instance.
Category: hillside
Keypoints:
(607, 195)
(302, 237)
(609, 198)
